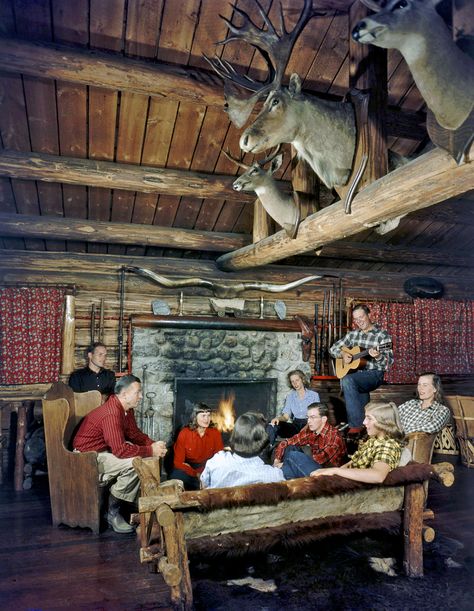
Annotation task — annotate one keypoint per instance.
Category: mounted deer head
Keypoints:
(442, 72)
(312, 125)
(280, 206)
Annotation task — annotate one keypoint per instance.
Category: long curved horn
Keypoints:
(174, 284)
(278, 288)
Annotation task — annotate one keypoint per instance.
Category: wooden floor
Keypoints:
(45, 568)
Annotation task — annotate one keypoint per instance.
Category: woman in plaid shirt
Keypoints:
(381, 453)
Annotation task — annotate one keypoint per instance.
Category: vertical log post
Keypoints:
(69, 331)
(22, 408)
(413, 530)
(306, 184)
(176, 554)
(263, 224)
(368, 72)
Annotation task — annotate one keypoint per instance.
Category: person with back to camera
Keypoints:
(196, 443)
(356, 385)
(426, 413)
(296, 406)
(94, 376)
(382, 451)
(242, 465)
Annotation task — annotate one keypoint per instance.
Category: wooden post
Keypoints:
(22, 408)
(413, 529)
(263, 224)
(69, 332)
(306, 184)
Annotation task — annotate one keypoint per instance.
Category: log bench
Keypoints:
(256, 517)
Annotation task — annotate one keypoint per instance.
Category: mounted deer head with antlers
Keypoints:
(280, 206)
(442, 72)
(323, 132)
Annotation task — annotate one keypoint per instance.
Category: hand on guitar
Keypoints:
(346, 357)
(374, 353)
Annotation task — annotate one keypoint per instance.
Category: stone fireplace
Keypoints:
(186, 360)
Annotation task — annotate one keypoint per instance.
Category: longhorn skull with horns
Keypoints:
(323, 132)
(220, 289)
(282, 207)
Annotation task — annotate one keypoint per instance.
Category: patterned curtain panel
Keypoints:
(30, 334)
(428, 335)
(444, 336)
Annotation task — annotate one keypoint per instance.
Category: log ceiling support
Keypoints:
(16, 225)
(23, 226)
(111, 71)
(428, 180)
(110, 175)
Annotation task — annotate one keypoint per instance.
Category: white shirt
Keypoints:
(226, 469)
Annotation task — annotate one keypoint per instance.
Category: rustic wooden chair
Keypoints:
(74, 486)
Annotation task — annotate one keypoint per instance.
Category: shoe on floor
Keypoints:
(118, 524)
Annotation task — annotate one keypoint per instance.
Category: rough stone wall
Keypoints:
(161, 355)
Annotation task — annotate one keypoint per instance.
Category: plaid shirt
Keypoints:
(377, 449)
(427, 420)
(327, 447)
(365, 340)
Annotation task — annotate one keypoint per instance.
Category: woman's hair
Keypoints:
(249, 437)
(387, 418)
(198, 409)
(301, 375)
(439, 395)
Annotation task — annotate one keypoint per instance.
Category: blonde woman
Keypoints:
(380, 454)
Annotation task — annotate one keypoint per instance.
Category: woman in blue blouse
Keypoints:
(296, 408)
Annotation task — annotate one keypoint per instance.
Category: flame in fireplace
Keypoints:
(224, 418)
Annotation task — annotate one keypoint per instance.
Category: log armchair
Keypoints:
(74, 486)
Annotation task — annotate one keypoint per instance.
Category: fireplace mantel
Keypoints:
(209, 322)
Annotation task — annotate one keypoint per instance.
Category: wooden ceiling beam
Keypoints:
(111, 71)
(428, 180)
(119, 233)
(388, 253)
(110, 175)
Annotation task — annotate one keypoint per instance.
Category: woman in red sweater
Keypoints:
(196, 443)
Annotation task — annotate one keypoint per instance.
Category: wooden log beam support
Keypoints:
(388, 253)
(110, 175)
(412, 530)
(119, 233)
(69, 335)
(428, 180)
(156, 79)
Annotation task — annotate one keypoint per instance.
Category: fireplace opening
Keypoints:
(227, 398)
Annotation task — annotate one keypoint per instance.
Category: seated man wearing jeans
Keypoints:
(325, 442)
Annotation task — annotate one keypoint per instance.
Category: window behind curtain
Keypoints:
(31, 322)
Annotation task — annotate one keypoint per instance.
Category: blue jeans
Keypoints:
(356, 388)
(297, 464)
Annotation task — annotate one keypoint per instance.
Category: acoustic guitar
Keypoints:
(358, 360)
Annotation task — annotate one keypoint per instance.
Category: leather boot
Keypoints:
(114, 518)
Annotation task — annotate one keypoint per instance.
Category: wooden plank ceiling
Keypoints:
(91, 120)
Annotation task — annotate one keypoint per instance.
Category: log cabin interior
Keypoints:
(119, 223)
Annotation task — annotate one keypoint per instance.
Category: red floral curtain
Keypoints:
(427, 335)
(30, 334)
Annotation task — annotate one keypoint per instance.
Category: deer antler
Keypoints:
(275, 49)
(236, 160)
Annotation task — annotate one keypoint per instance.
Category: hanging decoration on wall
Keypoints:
(160, 308)
(220, 289)
(424, 288)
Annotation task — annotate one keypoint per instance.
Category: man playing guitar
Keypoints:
(356, 385)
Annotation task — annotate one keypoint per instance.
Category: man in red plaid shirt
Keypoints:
(326, 444)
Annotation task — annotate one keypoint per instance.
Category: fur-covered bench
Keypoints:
(258, 516)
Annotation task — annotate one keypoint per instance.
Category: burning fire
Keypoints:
(224, 418)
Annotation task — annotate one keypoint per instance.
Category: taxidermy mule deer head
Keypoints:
(280, 206)
(323, 132)
(442, 72)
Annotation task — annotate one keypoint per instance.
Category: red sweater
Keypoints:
(108, 428)
(190, 447)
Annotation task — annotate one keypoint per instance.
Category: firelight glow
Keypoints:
(224, 418)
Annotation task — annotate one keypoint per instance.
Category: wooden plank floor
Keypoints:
(46, 568)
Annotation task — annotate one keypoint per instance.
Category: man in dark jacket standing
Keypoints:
(94, 376)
